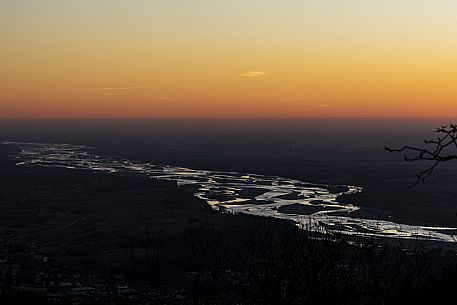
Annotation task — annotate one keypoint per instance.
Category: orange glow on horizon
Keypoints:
(231, 59)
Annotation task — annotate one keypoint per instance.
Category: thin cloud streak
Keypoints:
(120, 88)
(253, 74)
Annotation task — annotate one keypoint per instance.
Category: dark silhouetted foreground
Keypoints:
(75, 237)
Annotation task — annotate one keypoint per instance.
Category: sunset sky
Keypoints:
(228, 58)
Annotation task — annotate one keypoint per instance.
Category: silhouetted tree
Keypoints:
(435, 151)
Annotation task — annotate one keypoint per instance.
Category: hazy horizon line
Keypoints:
(215, 118)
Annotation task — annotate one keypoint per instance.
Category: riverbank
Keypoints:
(78, 236)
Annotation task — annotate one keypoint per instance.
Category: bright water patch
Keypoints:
(313, 206)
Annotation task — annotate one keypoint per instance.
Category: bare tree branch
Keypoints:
(435, 151)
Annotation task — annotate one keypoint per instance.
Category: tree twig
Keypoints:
(435, 151)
